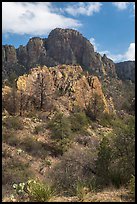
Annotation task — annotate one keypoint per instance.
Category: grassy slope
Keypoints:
(31, 161)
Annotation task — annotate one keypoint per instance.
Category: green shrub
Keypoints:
(39, 192)
(124, 149)
(9, 137)
(76, 166)
(132, 185)
(34, 147)
(60, 127)
(39, 128)
(81, 190)
(13, 123)
(15, 171)
(31, 114)
(61, 146)
(103, 163)
(106, 119)
(116, 178)
(79, 121)
(61, 132)
(35, 191)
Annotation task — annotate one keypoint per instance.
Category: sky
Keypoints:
(109, 26)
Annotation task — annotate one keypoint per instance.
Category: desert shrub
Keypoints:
(132, 185)
(31, 114)
(9, 137)
(39, 192)
(116, 178)
(79, 121)
(39, 128)
(77, 165)
(13, 123)
(61, 146)
(15, 171)
(34, 147)
(124, 149)
(60, 127)
(34, 190)
(43, 116)
(106, 119)
(103, 163)
(88, 141)
(61, 132)
(81, 190)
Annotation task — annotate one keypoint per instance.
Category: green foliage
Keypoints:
(39, 128)
(12, 78)
(35, 191)
(103, 162)
(95, 107)
(124, 148)
(60, 127)
(132, 185)
(9, 137)
(13, 123)
(106, 119)
(39, 192)
(61, 145)
(61, 132)
(116, 178)
(80, 190)
(34, 147)
(79, 121)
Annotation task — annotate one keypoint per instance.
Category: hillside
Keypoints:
(59, 115)
(68, 122)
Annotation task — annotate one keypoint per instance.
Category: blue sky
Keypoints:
(110, 26)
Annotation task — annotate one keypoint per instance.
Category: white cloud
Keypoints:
(83, 8)
(128, 55)
(121, 5)
(34, 18)
(93, 42)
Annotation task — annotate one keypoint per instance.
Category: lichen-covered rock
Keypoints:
(64, 92)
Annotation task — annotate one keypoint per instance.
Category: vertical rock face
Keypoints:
(67, 46)
(126, 70)
(22, 55)
(32, 53)
(63, 46)
(35, 49)
(9, 54)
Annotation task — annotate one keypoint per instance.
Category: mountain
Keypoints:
(126, 70)
(63, 46)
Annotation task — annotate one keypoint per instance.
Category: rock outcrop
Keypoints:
(63, 46)
(64, 87)
(126, 70)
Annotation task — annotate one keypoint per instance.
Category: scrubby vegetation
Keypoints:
(77, 153)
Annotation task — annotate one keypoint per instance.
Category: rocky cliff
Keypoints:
(126, 70)
(62, 88)
(63, 46)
